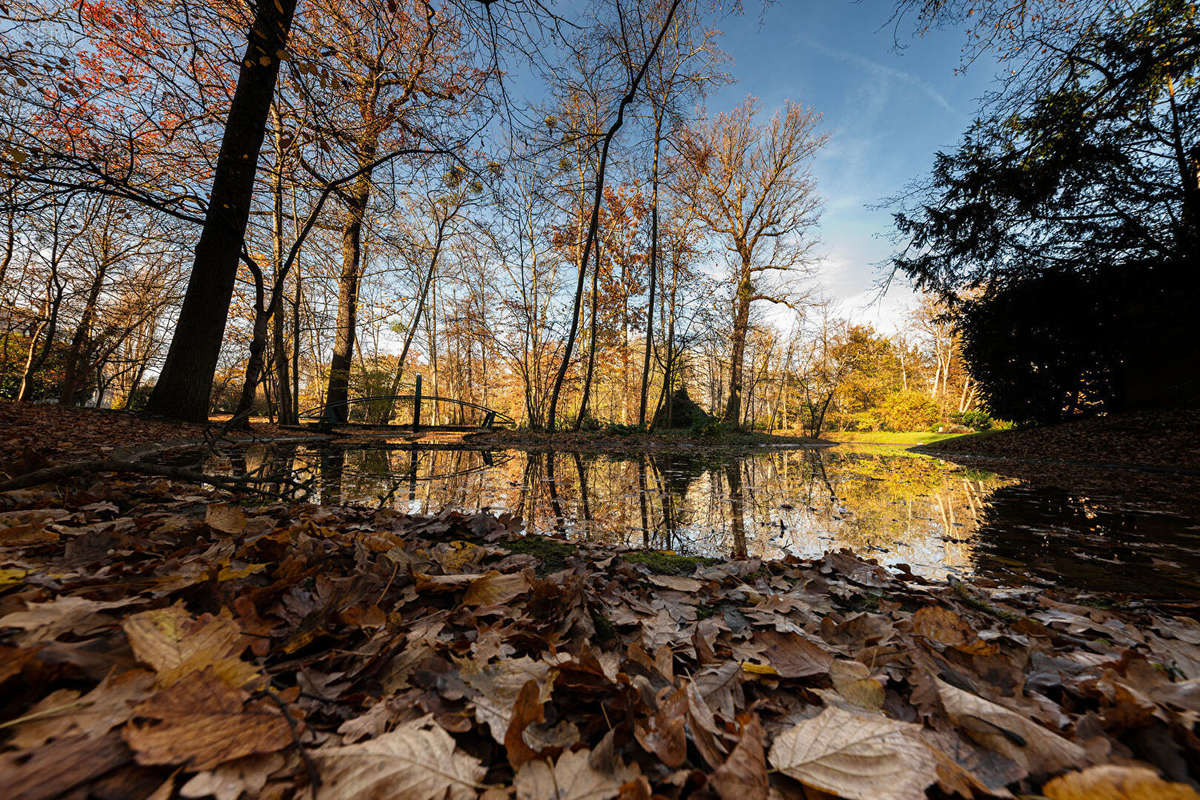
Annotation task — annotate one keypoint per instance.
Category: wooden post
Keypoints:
(417, 405)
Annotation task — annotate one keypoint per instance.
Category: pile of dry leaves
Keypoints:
(159, 641)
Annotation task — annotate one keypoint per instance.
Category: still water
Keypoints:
(888, 504)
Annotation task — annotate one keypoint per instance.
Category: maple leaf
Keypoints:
(417, 761)
(176, 645)
(855, 756)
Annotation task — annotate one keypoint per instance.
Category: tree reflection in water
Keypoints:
(895, 506)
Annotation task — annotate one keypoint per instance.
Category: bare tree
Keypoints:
(750, 186)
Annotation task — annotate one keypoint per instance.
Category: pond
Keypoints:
(892, 505)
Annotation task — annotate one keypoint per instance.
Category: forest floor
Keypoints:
(160, 640)
(36, 436)
(1152, 455)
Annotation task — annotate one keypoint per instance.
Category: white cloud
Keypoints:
(884, 71)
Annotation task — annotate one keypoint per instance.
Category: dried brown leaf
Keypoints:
(176, 645)
(793, 655)
(859, 757)
(202, 721)
(66, 614)
(1035, 748)
(230, 781)
(941, 625)
(64, 713)
(1112, 782)
(744, 773)
(417, 761)
(496, 588)
(498, 686)
(225, 518)
(572, 777)
(853, 681)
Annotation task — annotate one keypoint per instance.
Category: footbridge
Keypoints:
(411, 412)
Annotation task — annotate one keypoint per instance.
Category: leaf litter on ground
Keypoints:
(162, 640)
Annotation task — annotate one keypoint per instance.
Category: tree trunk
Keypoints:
(587, 380)
(27, 373)
(338, 388)
(653, 273)
(74, 366)
(282, 379)
(741, 324)
(183, 387)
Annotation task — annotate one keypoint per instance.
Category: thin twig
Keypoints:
(314, 777)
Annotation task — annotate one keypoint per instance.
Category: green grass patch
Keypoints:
(889, 437)
(665, 563)
(551, 552)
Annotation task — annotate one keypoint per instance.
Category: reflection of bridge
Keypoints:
(404, 411)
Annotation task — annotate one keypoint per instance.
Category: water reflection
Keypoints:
(894, 506)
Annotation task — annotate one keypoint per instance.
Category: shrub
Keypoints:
(907, 411)
(975, 419)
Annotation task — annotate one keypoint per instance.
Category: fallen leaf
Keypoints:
(54, 769)
(202, 721)
(417, 761)
(225, 518)
(231, 780)
(677, 583)
(853, 681)
(1113, 782)
(64, 713)
(526, 711)
(859, 757)
(496, 588)
(793, 655)
(663, 733)
(25, 535)
(9, 577)
(69, 614)
(498, 686)
(1038, 750)
(744, 774)
(941, 625)
(572, 777)
(176, 645)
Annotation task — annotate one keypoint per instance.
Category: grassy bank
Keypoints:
(906, 438)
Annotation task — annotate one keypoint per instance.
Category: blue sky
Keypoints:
(887, 110)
